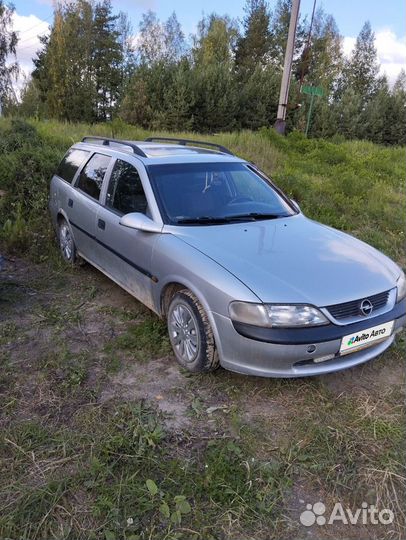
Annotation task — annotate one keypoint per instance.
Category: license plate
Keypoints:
(366, 337)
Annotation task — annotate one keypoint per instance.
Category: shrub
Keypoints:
(26, 166)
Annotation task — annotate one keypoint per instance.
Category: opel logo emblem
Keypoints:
(366, 307)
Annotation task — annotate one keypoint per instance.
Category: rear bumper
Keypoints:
(291, 358)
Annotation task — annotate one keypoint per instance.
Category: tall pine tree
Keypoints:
(79, 70)
(107, 57)
(361, 72)
(253, 47)
(213, 74)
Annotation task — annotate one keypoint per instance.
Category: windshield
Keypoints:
(214, 193)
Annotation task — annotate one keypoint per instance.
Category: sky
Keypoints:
(388, 20)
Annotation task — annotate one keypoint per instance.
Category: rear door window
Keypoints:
(92, 175)
(125, 193)
(71, 162)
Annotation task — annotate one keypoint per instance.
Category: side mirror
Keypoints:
(140, 222)
(295, 204)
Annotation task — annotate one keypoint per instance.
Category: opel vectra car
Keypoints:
(208, 242)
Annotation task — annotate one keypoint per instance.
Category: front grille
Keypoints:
(353, 308)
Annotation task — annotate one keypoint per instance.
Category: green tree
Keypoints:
(151, 40)
(361, 96)
(30, 104)
(174, 40)
(399, 88)
(398, 95)
(180, 98)
(78, 30)
(214, 41)
(125, 33)
(214, 83)
(323, 66)
(79, 71)
(258, 98)
(279, 33)
(383, 118)
(135, 107)
(361, 71)
(63, 69)
(347, 113)
(326, 57)
(51, 68)
(8, 43)
(107, 59)
(160, 79)
(216, 99)
(253, 47)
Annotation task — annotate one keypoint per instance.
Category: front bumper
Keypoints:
(268, 352)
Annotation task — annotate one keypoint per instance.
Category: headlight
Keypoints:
(401, 285)
(276, 315)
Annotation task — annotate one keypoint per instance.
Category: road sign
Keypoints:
(312, 90)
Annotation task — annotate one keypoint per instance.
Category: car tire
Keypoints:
(66, 242)
(190, 333)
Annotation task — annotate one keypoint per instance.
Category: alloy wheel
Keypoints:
(183, 332)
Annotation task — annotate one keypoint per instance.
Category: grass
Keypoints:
(110, 467)
(355, 186)
(78, 462)
(103, 437)
(145, 340)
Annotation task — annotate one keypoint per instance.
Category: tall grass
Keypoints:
(356, 186)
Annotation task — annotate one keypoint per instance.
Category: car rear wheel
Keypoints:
(190, 333)
(66, 242)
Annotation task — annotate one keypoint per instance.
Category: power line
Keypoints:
(27, 47)
(307, 47)
(38, 24)
(26, 39)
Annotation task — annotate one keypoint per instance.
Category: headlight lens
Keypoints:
(276, 315)
(401, 285)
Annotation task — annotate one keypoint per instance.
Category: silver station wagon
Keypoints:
(208, 242)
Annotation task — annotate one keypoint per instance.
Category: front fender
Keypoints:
(175, 261)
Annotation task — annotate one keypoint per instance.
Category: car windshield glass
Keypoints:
(215, 193)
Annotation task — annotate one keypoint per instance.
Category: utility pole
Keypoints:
(280, 123)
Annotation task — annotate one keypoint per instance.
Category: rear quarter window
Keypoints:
(71, 162)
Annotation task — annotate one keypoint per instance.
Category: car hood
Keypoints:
(294, 260)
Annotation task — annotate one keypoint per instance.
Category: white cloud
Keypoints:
(391, 51)
(28, 29)
(348, 45)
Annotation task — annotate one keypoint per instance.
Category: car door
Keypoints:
(125, 254)
(84, 202)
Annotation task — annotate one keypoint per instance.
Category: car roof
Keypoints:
(159, 153)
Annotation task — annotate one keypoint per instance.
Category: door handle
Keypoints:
(101, 224)
(70, 203)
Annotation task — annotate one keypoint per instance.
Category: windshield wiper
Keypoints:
(209, 220)
(212, 220)
(255, 216)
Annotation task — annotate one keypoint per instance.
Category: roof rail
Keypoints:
(221, 148)
(105, 141)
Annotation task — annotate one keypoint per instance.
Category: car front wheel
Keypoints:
(190, 333)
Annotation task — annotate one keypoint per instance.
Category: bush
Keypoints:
(26, 166)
